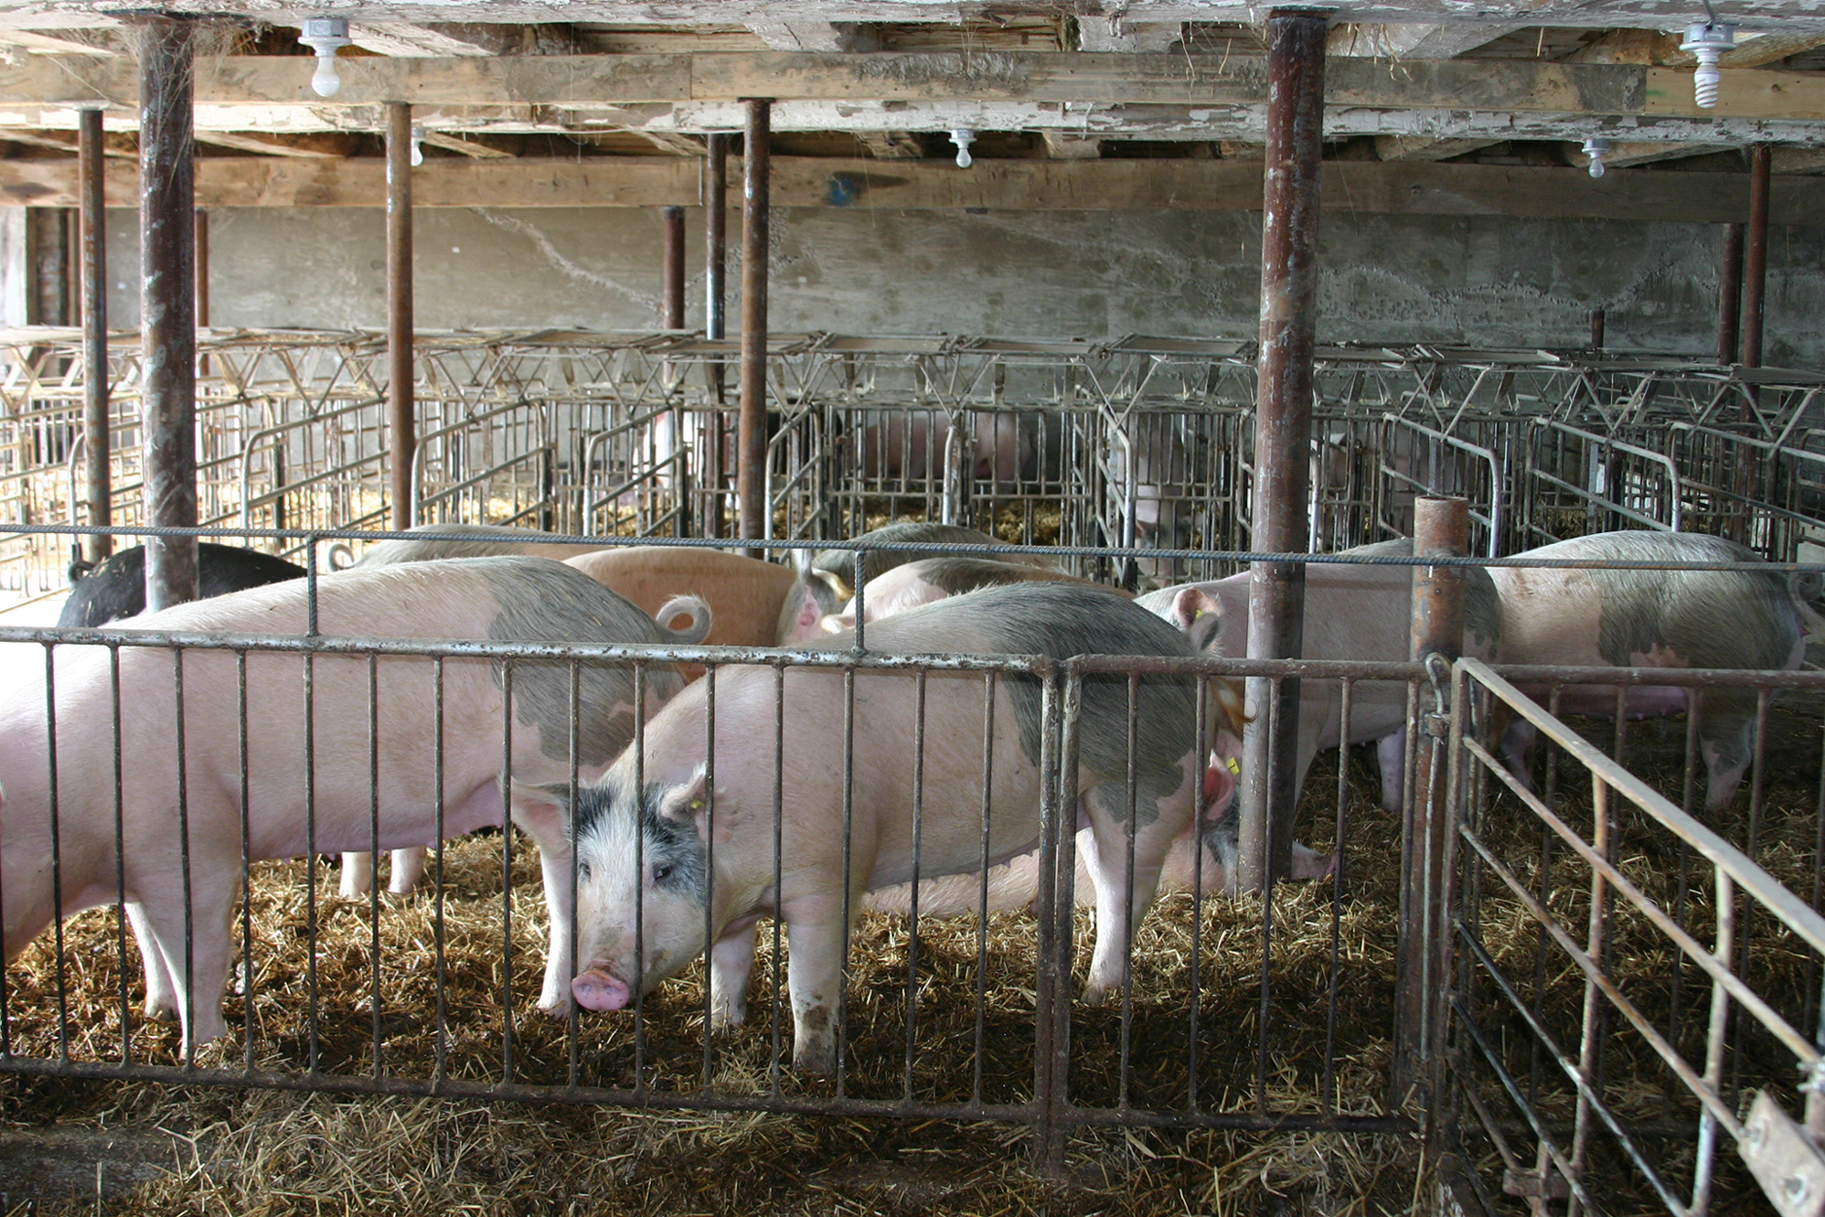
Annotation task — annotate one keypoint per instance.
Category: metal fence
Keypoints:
(1633, 990)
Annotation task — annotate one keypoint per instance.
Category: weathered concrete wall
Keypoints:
(1476, 280)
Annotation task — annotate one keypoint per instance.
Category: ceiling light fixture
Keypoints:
(963, 137)
(326, 36)
(1708, 40)
(1597, 149)
(418, 147)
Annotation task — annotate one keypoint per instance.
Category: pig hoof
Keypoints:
(1094, 994)
(595, 990)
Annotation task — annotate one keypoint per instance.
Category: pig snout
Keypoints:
(597, 990)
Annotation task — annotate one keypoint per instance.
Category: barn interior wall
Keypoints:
(1478, 280)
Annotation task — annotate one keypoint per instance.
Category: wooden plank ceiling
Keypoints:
(1100, 104)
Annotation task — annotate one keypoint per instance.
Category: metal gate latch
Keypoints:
(1783, 1159)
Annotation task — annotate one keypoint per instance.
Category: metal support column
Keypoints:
(1283, 429)
(715, 276)
(201, 243)
(1441, 529)
(672, 255)
(402, 424)
(167, 309)
(1730, 293)
(98, 476)
(751, 435)
(1755, 259)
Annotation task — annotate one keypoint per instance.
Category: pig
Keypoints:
(931, 579)
(508, 598)
(837, 565)
(1351, 612)
(1656, 618)
(430, 541)
(1152, 483)
(115, 587)
(746, 597)
(909, 448)
(648, 875)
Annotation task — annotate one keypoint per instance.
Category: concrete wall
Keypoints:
(1487, 281)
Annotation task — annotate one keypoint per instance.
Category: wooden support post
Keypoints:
(167, 309)
(401, 414)
(751, 435)
(98, 477)
(1730, 293)
(1283, 429)
(1441, 529)
(1755, 258)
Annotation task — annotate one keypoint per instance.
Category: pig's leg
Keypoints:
(731, 964)
(1391, 752)
(198, 1005)
(408, 865)
(1518, 750)
(545, 824)
(161, 993)
(357, 875)
(1119, 905)
(815, 939)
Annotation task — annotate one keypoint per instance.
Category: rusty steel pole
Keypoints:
(751, 433)
(672, 257)
(1730, 293)
(1755, 258)
(97, 480)
(1283, 431)
(401, 413)
(1441, 529)
(167, 305)
(201, 241)
(716, 241)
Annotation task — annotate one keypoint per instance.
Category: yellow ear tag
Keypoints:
(697, 804)
(1234, 767)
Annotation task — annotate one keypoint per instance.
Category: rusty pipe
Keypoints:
(98, 488)
(751, 433)
(401, 407)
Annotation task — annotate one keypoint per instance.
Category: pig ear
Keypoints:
(690, 804)
(542, 811)
(1219, 781)
(1198, 615)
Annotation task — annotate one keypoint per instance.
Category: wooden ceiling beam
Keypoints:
(1424, 148)
(1010, 185)
(606, 81)
(1411, 41)
(1118, 34)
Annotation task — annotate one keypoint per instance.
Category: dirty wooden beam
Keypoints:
(600, 82)
(267, 145)
(44, 44)
(1118, 34)
(1411, 40)
(1422, 148)
(1394, 188)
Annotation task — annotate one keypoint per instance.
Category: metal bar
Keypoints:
(672, 256)
(97, 471)
(715, 252)
(1755, 259)
(1730, 293)
(1283, 427)
(1441, 528)
(751, 434)
(167, 229)
(201, 238)
(401, 423)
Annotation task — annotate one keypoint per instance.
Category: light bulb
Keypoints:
(1708, 42)
(326, 36)
(963, 137)
(418, 148)
(1596, 149)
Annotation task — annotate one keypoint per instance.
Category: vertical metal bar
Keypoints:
(920, 680)
(716, 242)
(1716, 1031)
(1755, 257)
(373, 682)
(167, 331)
(506, 770)
(241, 764)
(751, 434)
(1441, 529)
(400, 407)
(982, 882)
(441, 1070)
(98, 489)
(201, 240)
(120, 864)
(1730, 293)
(1289, 288)
(672, 258)
(1597, 324)
(1052, 980)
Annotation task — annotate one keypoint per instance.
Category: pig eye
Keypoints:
(582, 870)
(661, 874)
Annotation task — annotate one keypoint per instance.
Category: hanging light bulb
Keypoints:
(1708, 41)
(326, 36)
(963, 137)
(418, 147)
(1597, 149)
